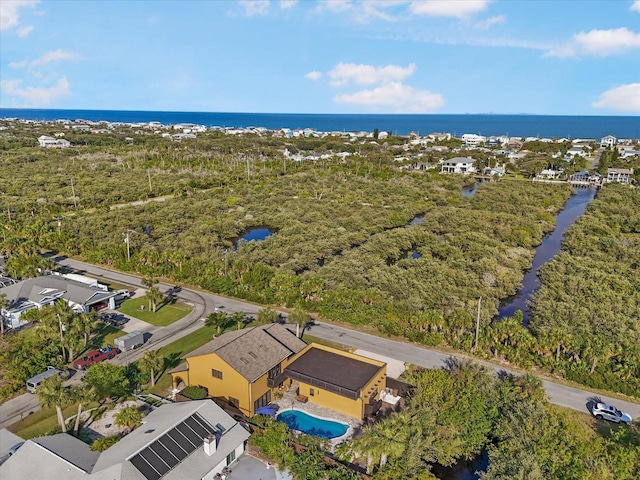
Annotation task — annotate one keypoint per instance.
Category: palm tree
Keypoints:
(151, 362)
(155, 296)
(239, 318)
(83, 394)
(128, 417)
(87, 323)
(216, 319)
(51, 392)
(4, 303)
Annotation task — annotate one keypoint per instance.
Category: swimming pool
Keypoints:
(303, 422)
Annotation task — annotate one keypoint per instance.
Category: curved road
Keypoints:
(206, 303)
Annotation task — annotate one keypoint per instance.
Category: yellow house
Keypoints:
(342, 381)
(243, 366)
(246, 367)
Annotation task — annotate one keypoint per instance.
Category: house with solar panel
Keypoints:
(188, 440)
(248, 368)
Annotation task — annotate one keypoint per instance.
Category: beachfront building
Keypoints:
(247, 369)
(463, 165)
(473, 140)
(619, 175)
(608, 141)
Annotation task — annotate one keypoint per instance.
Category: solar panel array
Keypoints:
(173, 447)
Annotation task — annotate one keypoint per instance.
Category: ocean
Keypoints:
(551, 126)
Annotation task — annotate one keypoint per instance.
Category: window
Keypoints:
(311, 392)
(216, 373)
(234, 402)
(262, 401)
(274, 372)
(231, 457)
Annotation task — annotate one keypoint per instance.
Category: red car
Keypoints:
(95, 356)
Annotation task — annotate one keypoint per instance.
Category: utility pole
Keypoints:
(59, 219)
(475, 345)
(73, 192)
(127, 240)
(149, 177)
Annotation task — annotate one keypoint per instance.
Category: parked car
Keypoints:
(122, 294)
(611, 413)
(113, 319)
(95, 356)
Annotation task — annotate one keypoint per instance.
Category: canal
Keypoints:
(573, 209)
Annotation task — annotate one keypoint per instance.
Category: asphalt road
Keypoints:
(205, 303)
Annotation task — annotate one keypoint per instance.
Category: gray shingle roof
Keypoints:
(39, 289)
(253, 351)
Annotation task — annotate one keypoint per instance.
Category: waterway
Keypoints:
(573, 209)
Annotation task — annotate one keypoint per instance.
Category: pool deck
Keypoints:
(289, 400)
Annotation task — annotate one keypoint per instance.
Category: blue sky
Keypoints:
(336, 56)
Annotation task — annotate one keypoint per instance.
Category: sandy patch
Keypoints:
(104, 426)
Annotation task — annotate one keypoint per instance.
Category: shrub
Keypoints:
(195, 392)
(101, 444)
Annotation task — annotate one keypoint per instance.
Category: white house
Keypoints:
(619, 175)
(50, 142)
(462, 165)
(179, 441)
(473, 140)
(550, 174)
(608, 141)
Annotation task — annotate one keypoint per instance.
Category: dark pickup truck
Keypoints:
(95, 356)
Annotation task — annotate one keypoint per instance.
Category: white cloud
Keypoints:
(49, 57)
(315, 75)
(625, 98)
(600, 43)
(287, 4)
(343, 73)
(635, 6)
(9, 12)
(491, 21)
(23, 32)
(255, 7)
(447, 8)
(605, 42)
(396, 96)
(335, 6)
(36, 96)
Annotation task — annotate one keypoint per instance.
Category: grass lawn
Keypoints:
(105, 336)
(42, 421)
(165, 314)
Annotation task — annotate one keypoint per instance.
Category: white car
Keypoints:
(611, 413)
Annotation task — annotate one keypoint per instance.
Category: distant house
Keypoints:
(41, 291)
(50, 142)
(608, 141)
(550, 174)
(187, 440)
(473, 140)
(463, 165)
(619, 175)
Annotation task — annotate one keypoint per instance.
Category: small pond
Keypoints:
(415, 255)
(254, 235)
(417, 220)
(320, 427)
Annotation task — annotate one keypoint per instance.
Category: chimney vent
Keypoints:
(210, 444)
